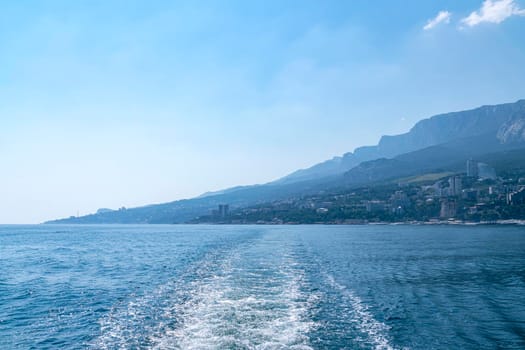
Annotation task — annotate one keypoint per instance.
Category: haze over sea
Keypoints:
(262, 287)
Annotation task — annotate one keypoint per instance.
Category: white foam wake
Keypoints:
(256, 308)
(375, 331)
(237, 300)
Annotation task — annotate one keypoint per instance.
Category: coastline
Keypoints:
(509, 222)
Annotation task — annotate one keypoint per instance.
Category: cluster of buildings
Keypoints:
(476, 195)
(444, 198)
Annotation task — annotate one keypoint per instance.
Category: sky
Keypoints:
(112, 103)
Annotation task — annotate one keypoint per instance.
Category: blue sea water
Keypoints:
(262, 287)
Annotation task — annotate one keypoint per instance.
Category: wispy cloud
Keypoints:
(493, 11)
(442, 17)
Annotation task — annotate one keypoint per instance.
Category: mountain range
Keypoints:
(506, 122)
(443, 142)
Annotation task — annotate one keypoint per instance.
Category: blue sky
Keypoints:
(127, 103)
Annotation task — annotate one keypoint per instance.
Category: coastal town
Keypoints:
(477, 195)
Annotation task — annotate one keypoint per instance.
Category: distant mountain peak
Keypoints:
(513, 130)
(505, 121)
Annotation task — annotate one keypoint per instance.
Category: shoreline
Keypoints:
(509, 222)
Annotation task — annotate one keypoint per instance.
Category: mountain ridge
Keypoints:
(495, 126)
(440, 128)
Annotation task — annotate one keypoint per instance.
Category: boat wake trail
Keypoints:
(374, 333)
(251, 297)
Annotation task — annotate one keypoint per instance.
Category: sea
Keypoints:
(262, 287)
